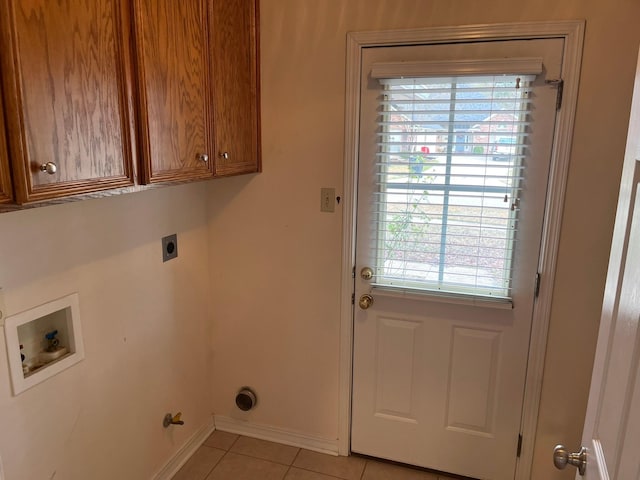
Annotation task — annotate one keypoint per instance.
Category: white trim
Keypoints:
(520, 66)
(186, 451)
(599, 459)
(573, 34)
(276, 434)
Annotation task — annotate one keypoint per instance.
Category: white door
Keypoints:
(612, 427)
(451, 205)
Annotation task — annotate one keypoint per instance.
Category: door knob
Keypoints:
(366, 273)
(365, 301)
(562, 458)
(203, 157)
(224, 155)
(49, 167)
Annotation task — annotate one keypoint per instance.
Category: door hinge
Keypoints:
(353, 299)
(559, 84)
(519, 451)
(536, 291)
(353, 272)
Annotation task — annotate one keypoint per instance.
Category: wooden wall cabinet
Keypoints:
(197, 69)
(64, 66)
(235, 72)
(91, 87)
(174, 89)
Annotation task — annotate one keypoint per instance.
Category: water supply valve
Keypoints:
(170, 419)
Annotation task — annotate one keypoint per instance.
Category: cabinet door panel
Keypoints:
(66, 97)
(234, 35)
(6, 193)
(172, 48)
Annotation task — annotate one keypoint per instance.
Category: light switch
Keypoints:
(327, 199)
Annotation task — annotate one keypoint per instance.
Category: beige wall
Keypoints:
(275, 259)
(143, 321)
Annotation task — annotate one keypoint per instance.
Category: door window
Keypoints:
(451, 155)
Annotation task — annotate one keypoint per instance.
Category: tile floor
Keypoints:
(226, 456)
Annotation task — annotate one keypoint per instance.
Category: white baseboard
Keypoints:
(276, 434)
(188, 449)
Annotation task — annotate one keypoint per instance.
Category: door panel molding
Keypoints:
(471, 380)
(573, 34)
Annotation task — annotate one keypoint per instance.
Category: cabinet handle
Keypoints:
(225, 155)
(49, 167)
(203, 157)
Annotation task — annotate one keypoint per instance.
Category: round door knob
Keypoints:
(224, 155)
(365, 301)
(366, 273)
(562, 458)
(203, 157)
(49, 167)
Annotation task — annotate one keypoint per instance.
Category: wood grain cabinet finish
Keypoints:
(174, 88)
(234, 33)
(197, 70)
(6, 191)
(66, 96)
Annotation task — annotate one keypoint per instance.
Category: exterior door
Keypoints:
(450, 212)
(611, 434)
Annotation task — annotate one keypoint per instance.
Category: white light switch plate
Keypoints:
(327, 199)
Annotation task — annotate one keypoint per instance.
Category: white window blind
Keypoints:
(451, 159)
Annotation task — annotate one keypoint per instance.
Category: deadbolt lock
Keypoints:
(366, 273)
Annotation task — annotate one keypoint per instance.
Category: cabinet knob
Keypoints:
(49, 167)
(203, 157)
(224, 155)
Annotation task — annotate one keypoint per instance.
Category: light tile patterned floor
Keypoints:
(226, 456)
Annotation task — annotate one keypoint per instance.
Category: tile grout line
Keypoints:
(206, 475)
(319, 473)
(217, 463)
(366, 462)
(291, 464)
(247, 455)
(221, 458)
(233, 443)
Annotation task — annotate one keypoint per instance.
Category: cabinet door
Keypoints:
(234, 34)
(66, 96)
(6, 193)
(172, 51)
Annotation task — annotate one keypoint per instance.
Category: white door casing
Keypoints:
(612, 426)
(434, 375)
(572, 33)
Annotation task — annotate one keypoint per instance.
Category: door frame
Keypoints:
(573, 34)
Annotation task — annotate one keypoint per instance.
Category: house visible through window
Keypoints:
(451, 157)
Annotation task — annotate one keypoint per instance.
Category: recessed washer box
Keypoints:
(51, 339)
